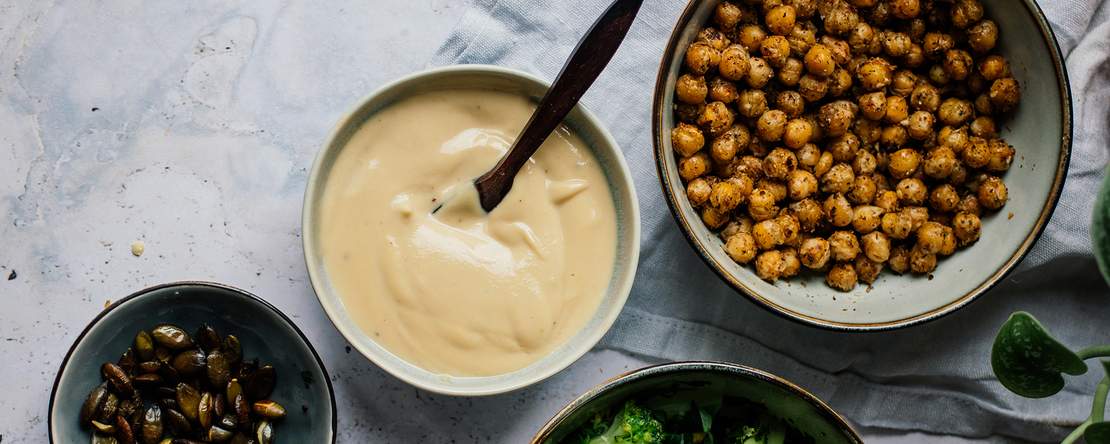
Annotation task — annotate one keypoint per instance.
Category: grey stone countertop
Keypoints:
(191, 126)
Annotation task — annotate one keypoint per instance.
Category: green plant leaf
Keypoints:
(1100, 229)
(1029, 361)
(1098, 433)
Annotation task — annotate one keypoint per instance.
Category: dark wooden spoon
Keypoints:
(586, 62)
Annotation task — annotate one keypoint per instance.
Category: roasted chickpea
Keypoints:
(814, 253)
(955, 139)
(893, 136)
(839, 179)
(721, 90)
(903, 83)
(903, 163)
(1005, 93)
(790, 73)
(808, 156)
(841, 50)
(887, 200)
(728, 194)
(969, 204)
(771, 126)
(897, 109)
(954, 112)
(957, 64)
(802, 37)
(751, 37)
(801, 184)
(842, 277)
(741, 247)
(716, 118)
(691, 89)
(791, 103)
(768, 234)
(912, 191)
(918, 216)
(688, 113)
(983, 105)
(925, 97)
(804, 8)
(714, 38)
(701, 57)
(874, 74)
(698, 191)
(905, 9)
(791, 228)
(812, 88)
(992, 193)
(966, 12)
(895, 44)
(840, 19)
(921, 261)
(920, 126)
(967, 227)
(876, 246)
(838, 211)
(742, 224)
(735, 63)
(867, 218)
(726, 146)
(873, 105)
(775, 50)
(1002, 156)
(777, 188)
(897, 225)
(819, 61)
(936, 44)
(809, 214)
(948, 248)
(712, 218)
(840, 82)
(836, 118)
(687, 139)
(868, 270)
(983, 126)
(761, 205)
(759, 73)
(694, 166)
(994, 67)
(930, 237)
(983, 36)
(975, 84)
(844, 246)
(864, 163)
(769, 265)
(899, 259)
(750, 166)
(727, 15)
(938, 75)
(780, 19)
(863, 190)
(862, 38)
(977, 154)
(791, 264)
(944, 198)
(779, 164)
(752, 103)
(915, 58)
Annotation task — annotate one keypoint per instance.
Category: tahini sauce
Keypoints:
(461, 292)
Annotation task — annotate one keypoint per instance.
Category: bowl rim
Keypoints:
(623, 288)
(211, 285)
(1063, 84)
(693, 366)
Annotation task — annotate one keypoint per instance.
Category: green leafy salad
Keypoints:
(724, 421)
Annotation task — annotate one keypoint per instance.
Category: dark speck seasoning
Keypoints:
(12, 275)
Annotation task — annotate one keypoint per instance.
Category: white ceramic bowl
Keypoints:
(1040, 130)
(604, 149)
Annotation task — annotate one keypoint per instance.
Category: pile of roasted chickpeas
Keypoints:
(844, 136)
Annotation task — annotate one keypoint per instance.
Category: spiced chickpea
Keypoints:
(813, 88)
(727, 15)
(691, 89)
(801, 184)
(930, 237)
(751, 37)
(920, 125)
(1005, 93)
(808, 156)
(698, 191)
(899, 261)
(867, 270)
(905, 9)
(688, 113)
(791, 264)
(955, 139)
(780, 19)
(1002, 156)
(897, 225)
(921, 261)
(863, 190)
(873, 105)
(842, 277)
(750, 166)
(716, 118)
(903, 83)
(777, 188)
(798, 133)
(893, 136)
(994, 67)
(768, 234)
(983, 126)
(977, 154)
(761, 205)
(865, 163)
(903, 163)
(779, 164)
(840, 19)
(791, 103)
(967, 227)
(759, 73)
(700, 58)
(735, 63)
(925, 97)
(918, 216)
(721, 90)
(895, 44)
(866, 218)
(771, 126)
(874, 74)
(966, 13)
(752, 103)
(869, 131)
(694, 166)
(775, 50)
(844, 147)
(814, 253)
(687, 139)
(728, 194)
(983, 36)
(912, 191)
(712, 218)
(838, 212)
(768, 265)
(915, 58)
(791, 228)
(714, 38)
(836, 118)
(863, 3)
(958, 64)
(844, 246)
(741, 224)
(802, 37)
(819, 61)
(726, 146)
(936, 44)
(790, 73)
(969, 204)
(950, 244)
(897, 109)
(838, 179)
(992, 193)
(804, 8)
(944, 198)
(741, 247)
(862, 38)
(876, 246)
(959, 175)
(840, 82)
(938, 75)
(954, 112)
(809, 214)
(887, 200)
(983, 105)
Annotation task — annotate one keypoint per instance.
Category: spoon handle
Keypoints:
(586, 62)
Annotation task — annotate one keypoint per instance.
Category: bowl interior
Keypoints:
(683, 382)
(603, 148)
(303, 387)
(1040, 131)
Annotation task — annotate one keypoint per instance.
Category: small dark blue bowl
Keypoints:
(267, 334)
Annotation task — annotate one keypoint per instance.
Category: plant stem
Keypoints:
(1097, 351)
(1077, 433)
(1098, 412)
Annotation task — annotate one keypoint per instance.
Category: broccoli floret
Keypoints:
(632, 425)
(772, 433)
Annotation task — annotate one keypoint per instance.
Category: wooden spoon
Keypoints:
(586, 62)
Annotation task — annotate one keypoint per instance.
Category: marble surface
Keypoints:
(190, 126)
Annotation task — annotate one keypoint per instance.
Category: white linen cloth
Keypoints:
(934, 378)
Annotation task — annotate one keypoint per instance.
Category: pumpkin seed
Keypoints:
(171, 337)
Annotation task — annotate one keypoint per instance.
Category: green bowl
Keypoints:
(303, 385)
(694, 380)
(1040, 130)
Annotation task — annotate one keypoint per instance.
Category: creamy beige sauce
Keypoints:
(462, 292)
